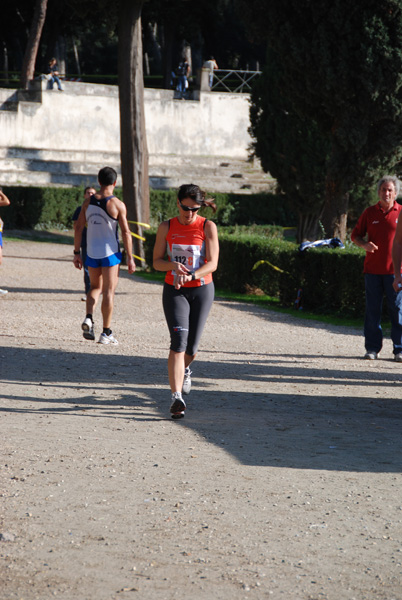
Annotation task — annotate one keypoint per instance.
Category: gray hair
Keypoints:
(389, 179)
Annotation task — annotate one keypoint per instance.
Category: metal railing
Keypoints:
(224, 80)
(233, 81)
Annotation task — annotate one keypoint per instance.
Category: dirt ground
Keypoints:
(283, 480)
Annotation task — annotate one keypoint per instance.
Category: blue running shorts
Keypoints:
(108, 261)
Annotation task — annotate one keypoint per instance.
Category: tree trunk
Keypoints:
(186, 53)
(52, 34)
(4, 62)
(31, 51)
(153, 48)
(76, 57)
(134, 151)
(335, 214)
(167, 53)
(307, 227)
(61, 53)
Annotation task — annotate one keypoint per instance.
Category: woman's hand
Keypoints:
(179, 269)
(183, 276)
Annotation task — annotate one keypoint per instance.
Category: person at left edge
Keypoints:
(88, 192)
(4, 201)
(102, 213)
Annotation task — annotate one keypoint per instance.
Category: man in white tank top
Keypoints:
(103, 212)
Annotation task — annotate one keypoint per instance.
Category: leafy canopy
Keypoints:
(341, 65)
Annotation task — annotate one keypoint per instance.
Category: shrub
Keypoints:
(31, 207)
(331, 279)
(53, 206)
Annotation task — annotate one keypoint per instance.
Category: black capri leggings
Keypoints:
(186, 311)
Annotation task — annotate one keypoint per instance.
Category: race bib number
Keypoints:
(189, 256)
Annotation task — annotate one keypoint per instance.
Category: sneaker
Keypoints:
(187, 381)
(107, 339)
(3, 292)
(370, 355)
(178, 406)
(88, 329)
(83, 298)
(398, 357)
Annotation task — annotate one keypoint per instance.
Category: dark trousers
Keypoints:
(376, 287)
(87, 282)
(186, 311)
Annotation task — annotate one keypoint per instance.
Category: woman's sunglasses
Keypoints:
(188, 208)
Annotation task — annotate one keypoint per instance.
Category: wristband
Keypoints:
(193, 277)
(75, 252)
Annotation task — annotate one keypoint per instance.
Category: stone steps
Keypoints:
(30, 166)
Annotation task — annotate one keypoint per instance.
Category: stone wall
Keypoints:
(63, 138)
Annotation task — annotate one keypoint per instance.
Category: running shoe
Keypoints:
(107, 339)
(398, 357)
(370, 355)
(3, 292)
(187, 381)
(178, 406)
(88, 329)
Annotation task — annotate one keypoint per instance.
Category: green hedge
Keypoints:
(239, 254)
(232, 209)
(331, 280)
(50, 207)
(47, 207)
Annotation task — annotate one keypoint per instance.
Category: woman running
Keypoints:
(192, 247)
(4, 201)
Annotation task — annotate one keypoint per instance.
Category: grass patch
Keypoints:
(33, 235)
(273, 304)
(151, 276)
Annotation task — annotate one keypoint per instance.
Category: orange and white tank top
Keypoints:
(186, 244)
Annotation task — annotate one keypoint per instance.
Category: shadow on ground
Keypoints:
(347, 432)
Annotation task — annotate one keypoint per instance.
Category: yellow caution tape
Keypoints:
(142, 224)
(266, 262)
(138, 258)
(137, 236)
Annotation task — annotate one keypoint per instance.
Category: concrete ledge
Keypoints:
(54, 138)
(77, 88)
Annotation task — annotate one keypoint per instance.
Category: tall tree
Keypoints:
(134, 150)
(126, 14)
(290, 147)
(341, 66)
(31, 51)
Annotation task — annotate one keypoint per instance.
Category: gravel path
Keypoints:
(282, 481)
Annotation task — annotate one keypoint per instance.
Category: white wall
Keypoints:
(216, 125)
(85, 117)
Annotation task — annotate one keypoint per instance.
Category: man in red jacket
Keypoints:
(375, 231)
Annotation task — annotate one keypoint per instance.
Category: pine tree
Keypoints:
(340, 65)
